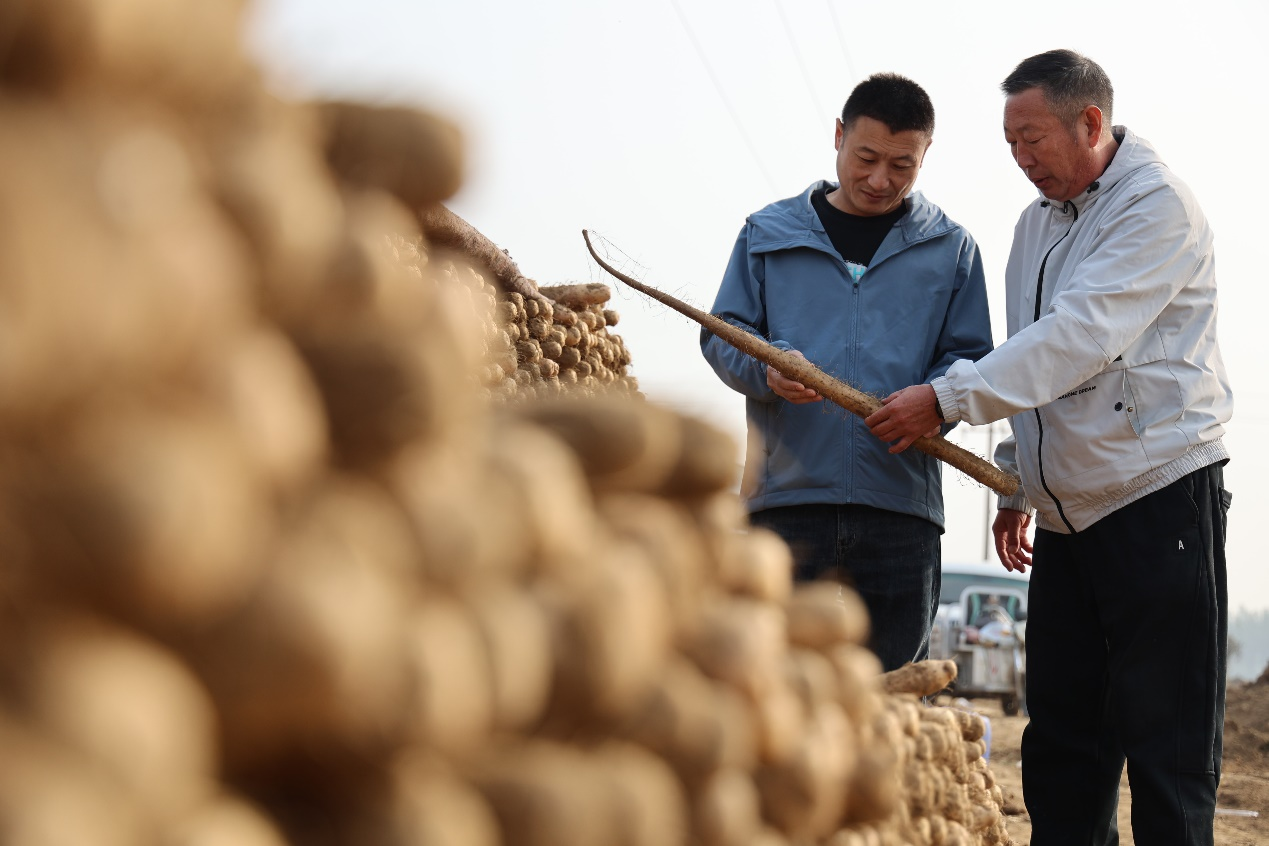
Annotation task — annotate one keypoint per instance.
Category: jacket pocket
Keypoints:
(1127, 365)
(1090, 427)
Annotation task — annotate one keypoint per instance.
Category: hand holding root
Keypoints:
(801, 370)
(905, 416)
(789, 389)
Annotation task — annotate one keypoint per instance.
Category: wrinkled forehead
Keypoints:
(1028, 110)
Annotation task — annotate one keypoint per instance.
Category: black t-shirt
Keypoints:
(855, 237)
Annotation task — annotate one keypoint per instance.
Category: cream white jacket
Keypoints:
(1111, 376)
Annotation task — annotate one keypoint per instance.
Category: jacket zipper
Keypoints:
(1039, 449)
(850, 375)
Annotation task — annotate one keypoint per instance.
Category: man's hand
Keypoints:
(905, 416)
(794, 392)
(1012, 544)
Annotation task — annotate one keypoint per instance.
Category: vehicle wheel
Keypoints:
(1009, 704)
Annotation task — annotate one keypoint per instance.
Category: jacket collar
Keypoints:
(794, 222)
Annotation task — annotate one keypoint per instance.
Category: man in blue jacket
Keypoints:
(876, 286)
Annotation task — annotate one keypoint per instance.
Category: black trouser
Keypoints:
(1126, 649)
(892, 560)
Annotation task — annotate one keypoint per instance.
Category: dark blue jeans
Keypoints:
(1126, 655)
(891, 559)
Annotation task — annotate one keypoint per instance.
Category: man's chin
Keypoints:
(1048, 190)
(870, 206)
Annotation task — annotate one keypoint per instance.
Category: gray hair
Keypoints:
(1070, 82)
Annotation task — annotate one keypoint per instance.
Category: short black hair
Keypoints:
(1070, 82)
(895, 100)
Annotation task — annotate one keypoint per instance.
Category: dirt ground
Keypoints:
(1244, 777)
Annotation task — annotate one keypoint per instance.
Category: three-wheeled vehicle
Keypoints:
(981, 625)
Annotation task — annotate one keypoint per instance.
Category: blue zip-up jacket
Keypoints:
(921, 305)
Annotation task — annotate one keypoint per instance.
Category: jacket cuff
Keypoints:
(946, 399)
(772, 396)
(1017, 502)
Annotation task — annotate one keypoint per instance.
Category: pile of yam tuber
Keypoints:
(280, 565)
(551, 342)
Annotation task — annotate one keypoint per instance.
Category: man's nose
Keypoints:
(1024, 159)
(877, 177)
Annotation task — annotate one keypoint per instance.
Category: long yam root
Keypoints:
(446, 229)
(835, 390)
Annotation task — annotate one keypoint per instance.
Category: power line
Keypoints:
(841, 39)
(797, 55)
(735, 117)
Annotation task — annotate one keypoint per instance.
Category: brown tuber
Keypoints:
(923, 678)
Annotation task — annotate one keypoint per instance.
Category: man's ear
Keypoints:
(838, 134)
(1094, 121)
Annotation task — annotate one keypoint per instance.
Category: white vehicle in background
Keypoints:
(981, 624)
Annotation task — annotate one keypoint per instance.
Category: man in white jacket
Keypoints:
(1113, 383)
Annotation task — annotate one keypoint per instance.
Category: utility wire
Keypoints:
(735, 117)
(841, 39)
(806, 75)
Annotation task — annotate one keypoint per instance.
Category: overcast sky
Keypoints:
(661, 124)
